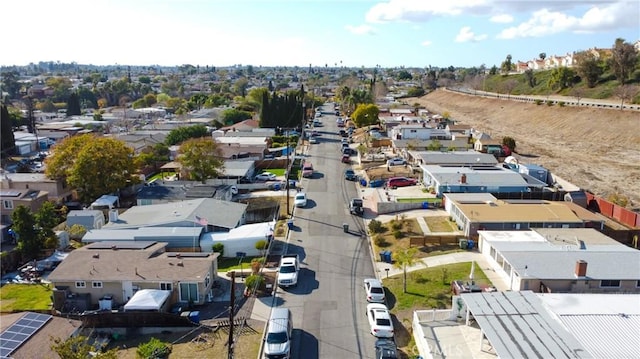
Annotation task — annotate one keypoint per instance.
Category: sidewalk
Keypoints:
(458, 257)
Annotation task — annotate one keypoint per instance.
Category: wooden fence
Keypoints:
(422, 241)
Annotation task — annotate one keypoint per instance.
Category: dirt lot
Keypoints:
(596, 149)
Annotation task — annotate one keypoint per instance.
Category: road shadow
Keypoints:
(307, 345)
(317, 175)
(272, 301)
(307, 283)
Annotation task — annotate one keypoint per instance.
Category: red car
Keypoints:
(346, 159)
(394, 182)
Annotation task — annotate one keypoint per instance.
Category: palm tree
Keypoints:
(405, 258)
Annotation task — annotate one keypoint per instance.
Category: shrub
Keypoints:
(549, 103)
(154, 348)
(254, 282)
(376, 226)
(561, 103)
(397, 234)
(218, 248)
(380, 241)
(538, 102)
(396, 225)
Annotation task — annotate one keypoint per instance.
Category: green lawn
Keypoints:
(229, 264)
(429, 287)
(21, 297)
(158, 176)
(276, 171)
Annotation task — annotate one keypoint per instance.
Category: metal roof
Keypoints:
(518, 326)
(455, 157)
(606, 324)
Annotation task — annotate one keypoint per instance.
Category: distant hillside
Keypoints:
(596, 149)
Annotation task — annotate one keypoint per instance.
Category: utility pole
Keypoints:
(230, 343)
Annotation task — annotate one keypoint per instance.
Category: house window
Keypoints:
(6, 204)
(96, 284)
(610, 283)
(81, 284)
(166, 286)
(189, 292)
(207, 279)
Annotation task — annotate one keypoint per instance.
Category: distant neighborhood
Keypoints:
(201, 168)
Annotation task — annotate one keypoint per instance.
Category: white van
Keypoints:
(278, 340)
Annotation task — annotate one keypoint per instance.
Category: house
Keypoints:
(88, 218)
(453, 158)
(419, 132)
(243, 126)
(118, 270)
(487, 145)
(13, 198)
(523, 324)
(57, 190)
(185, 239)
(551, 260)
(242, 147)
(239, 240)
(141, 140)
(476, 179)
(456, 144)
(27, 335)
(205, 212)
(475, 212)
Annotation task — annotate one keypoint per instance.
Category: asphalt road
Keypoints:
(328, 305)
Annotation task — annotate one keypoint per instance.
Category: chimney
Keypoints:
(463, 178)
(581, 268)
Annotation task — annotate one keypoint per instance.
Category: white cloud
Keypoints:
(466, 35)
(360, 30)
(426, 43)
(503, 18)
(422, 10)
(597, 18)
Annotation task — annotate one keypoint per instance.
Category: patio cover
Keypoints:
(147, 299)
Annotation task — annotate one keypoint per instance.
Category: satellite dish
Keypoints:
(511, 160)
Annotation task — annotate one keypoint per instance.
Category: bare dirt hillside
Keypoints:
(596, 149)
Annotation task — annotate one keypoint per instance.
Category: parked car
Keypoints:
(346, 159)
(350, 175)
(265, 176)
(300, 199)
(386, 349)
(374, 289)
(380, 322)
(395, 182)
(396, 161)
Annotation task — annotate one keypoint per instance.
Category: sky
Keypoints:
(352, 33)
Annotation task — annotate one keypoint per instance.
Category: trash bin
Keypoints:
(290, 223)
(470, 244)
(382, 256)
(276, 187)
(194, 316)
(425, 205)
(345, 226)
(363, 182)
(463, 243)
(387, 256)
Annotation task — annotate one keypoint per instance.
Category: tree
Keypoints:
(415, 92)
(92, 165)
(588, 68)
(365, 115)
(201, 158)
(7, 139)
(561, 78)
(153, 349)
(403, 259)
(24, 225)
(625, 93)
(46, 220)
(508, 86)
(10, 83)
(181, 134)
(578, 93)
(510, 142)
(530, 77)
(78, 347)
(506, 65)
(262, 245)
(73, 105)
(232, 116)
(404, 75)
(623, 59)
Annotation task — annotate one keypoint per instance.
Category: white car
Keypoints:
(380, 320)
(374, 290)
(266, 176)
(300, 199)
(397, 161)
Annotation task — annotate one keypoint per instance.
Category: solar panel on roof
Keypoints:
(20, 331)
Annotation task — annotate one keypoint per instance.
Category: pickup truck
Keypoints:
(288, 272)
(356, 206)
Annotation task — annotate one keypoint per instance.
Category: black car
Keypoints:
(386, 349)
(350, 175)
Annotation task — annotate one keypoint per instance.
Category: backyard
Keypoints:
(23, 297)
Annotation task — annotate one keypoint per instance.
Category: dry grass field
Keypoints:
(596, 149)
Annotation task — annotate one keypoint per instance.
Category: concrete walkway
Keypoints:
(459, 257)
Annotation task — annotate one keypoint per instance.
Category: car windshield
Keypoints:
(300, 196)
(377, 290)
(307, 168)
(383, 322)
(277, 338)
(357, 202)
(287, 269)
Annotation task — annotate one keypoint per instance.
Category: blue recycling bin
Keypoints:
(290, 224)
(425, 205)
(470, 244)
(363, 182)
(276, 187)
(387, 256)
(194, 316)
